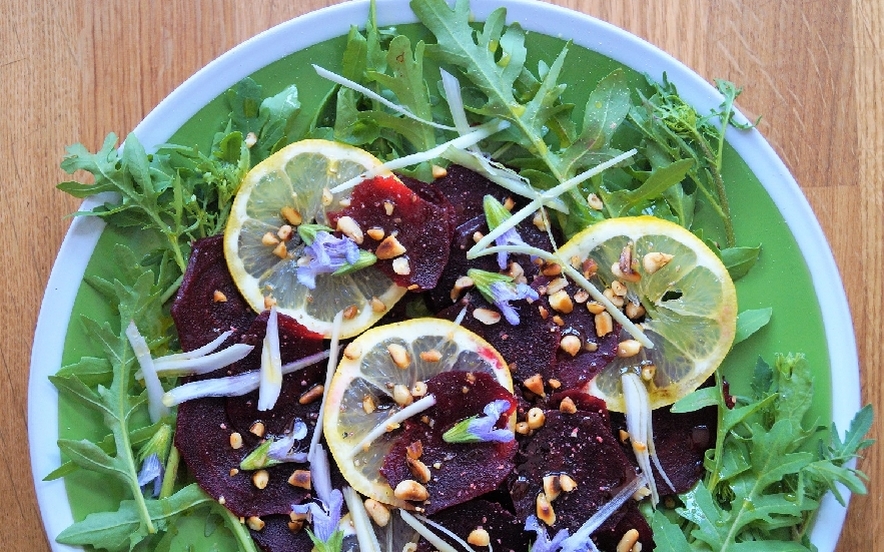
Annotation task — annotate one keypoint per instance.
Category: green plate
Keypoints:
(766, 204)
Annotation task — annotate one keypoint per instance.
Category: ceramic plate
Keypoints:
(768, 208)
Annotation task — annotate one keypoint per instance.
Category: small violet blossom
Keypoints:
(502, 293)
(510, 237)
(286, 448)
(326, 514)
(151, 472)
(543, 543)
(481, 428)
(326, 255)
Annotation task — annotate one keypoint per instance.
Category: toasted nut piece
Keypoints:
(377, 511)
(561, 302)
(419, 389)
(558, 320)
(619, 288)
(544, 313)
(439, 172)
(630, 538)
(522, 428)
(233, 471)
(551, 269)
(399, 354)
(389, 207)
(567, 406)
(390, 248)
(486, 316)
(604, 324)
(462, 283)
(551, 487)
(595, 307)
(615, 299)
(377, 305)
(401, 266)
(571, 344)
(257, 429)
(350, 228)
(402, 395)
(376, 233)
(626, 276)
(327, 197)
(312, 395)
(554, 383)
(539, 221)
(250, 140)
(628, 348)
(291, 216)
(508, 203)
(285, 232)
(352, 351)
(589, 268)
(654, 261)
(368, 404)
(235, 440)
(269, 239)
(410, 489)
(301, 479)
(595, 202)
(535, 385)
(260, 478)
(351, 312)
(281, 250)
(544, 510)
(418, 469)
(415, 450)
(255, 523)
(624, 436)
(222, 501)
(649, 371)
(517, 273)
(634, 310)
(642, 493)
(556, 286)
(567, 483)
(433, 355)
(295, 526)
(269, 301)
(581, 296)
(219, 297)
(536, 418)
(479, 537)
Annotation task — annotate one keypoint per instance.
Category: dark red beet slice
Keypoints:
(464, 471)
(277, 537)
(580, 445)
(681, 442)
(466, 190)
(596, 352)
(607, 538)
(199, 315)
(205, 426)
(506, 531)
(417, 216)
(528, 348)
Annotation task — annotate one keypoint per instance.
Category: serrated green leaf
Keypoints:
(89, 456)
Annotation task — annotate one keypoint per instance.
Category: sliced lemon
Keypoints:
(263, 249)
(687, 295)
(363, 403)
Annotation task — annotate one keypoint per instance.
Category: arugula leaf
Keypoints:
(739, 260)
(120, 530)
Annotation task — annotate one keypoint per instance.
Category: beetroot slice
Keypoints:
(205, 426)
(506, 531)
(419, 218)
(575, 371)
(681, 442)
(200, 314)
(277, 537)
(528, 348)
(580, 445)
(460, 472)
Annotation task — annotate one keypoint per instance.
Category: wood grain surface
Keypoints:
(73, 70)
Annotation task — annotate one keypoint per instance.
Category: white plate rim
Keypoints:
(326, 23)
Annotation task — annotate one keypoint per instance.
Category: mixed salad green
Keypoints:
(770, 465)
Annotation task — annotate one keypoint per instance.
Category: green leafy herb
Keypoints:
(765, 477)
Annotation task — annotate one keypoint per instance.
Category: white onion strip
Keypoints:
(156, 408)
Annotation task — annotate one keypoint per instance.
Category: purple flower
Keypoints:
(151, 472)
(543, 542)
(478, 429)
(325, 514)
(502, 293)
(510, 237)
(326, 255)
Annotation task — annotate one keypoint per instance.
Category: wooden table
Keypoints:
(74, 70)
